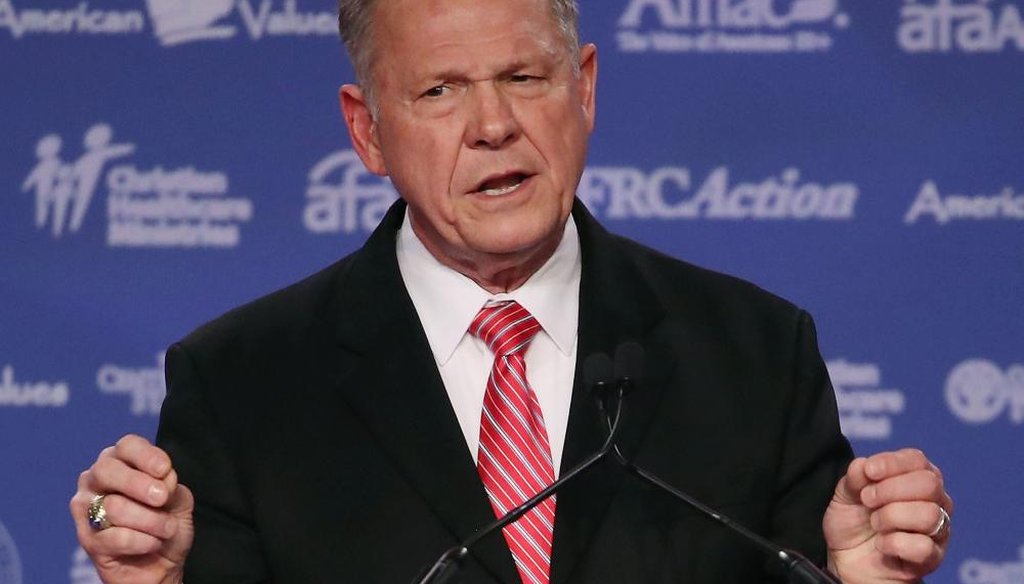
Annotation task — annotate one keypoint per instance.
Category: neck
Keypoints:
(496, 272)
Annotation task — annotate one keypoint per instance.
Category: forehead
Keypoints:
(423, 34)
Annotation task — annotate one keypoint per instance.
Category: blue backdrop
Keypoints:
(163, 161)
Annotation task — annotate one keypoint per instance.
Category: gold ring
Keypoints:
(98, 514)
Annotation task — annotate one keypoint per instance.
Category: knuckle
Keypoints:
(116, 506)
(124, 444)
(104, 471)
(914, 453)
(921, 548)
(107, 452)
(885, 517)
(120, 539)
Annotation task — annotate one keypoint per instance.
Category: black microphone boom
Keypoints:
(609, 383)
(629, 359)
(597, 375)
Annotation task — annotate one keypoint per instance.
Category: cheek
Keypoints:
(421, 159)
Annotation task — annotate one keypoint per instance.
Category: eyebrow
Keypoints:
(516, 65)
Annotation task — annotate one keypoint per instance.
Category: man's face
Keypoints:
(482, 123)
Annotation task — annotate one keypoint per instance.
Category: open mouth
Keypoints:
(502, 184)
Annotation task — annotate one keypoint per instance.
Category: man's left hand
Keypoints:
(886, 521)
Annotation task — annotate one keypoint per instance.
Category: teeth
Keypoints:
(501, 190)
(503, 186)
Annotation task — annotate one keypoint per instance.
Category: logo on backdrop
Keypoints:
(10, 563)
(931, 203)
(146, 207)
(966, 26)
(978, 392)
(25, 394)
(866, 410)
(717, 26)
(178, 21)
(80, 20)
(82, 569)
(343, 197)
(174, 22)
(671, 193)
(975, 571)
(145, 385)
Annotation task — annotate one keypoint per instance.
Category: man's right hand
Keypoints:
(150, 515)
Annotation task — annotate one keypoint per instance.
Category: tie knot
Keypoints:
(507, 328)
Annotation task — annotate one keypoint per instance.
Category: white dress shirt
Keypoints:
(447, 302)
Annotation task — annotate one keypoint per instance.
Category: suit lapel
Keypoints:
(388, 375)
(390, 378)
(616, 305)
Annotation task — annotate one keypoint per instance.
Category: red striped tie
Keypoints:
(515, 459)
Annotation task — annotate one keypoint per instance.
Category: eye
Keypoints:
(522, 78)
(436, 91)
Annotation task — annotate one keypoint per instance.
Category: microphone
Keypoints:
(629, 359)
(597, 374)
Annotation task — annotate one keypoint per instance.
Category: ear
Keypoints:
(588, 82)
(362, 129)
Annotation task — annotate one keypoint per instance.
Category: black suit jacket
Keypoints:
(314, 429)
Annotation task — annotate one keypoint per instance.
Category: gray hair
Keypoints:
(354, 17)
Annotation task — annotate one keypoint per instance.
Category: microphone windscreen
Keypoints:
(597, 368)
(629, 361)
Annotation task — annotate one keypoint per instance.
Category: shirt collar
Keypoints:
(447, 301)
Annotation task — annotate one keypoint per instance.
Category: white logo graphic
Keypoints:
(82, 570)
(969, 26)
(667, 193)
(182, 21)
(23, 394)
(943, 209)
(145, 385)
(978, 391)
(174, 21)
(79, 20)
(974, 571)
(10, 563)
(344, 197)
(730, 26)
(866, 410)
(180, 207)
(61, 187)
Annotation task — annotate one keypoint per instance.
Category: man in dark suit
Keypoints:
(324, 429)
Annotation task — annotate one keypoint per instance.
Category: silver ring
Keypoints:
(98, 514)
(942, 527)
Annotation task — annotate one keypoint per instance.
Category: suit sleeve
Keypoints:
(815, 454)
(227, 548)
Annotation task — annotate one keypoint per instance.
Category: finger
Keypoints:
(849, 487)
(888, 464)
(915, 516)
(138, 453)
(181, 501)
(114, 541)
(112, 475)
(124, 512)
(119, 542)
(918, 553)
(920, 485)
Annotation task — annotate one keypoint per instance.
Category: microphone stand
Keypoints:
(799, 567)
(448, 563)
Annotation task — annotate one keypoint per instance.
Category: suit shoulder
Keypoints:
(291, 312)
(691, 287)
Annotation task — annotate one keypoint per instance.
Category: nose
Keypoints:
(493, 122)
